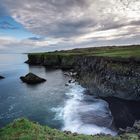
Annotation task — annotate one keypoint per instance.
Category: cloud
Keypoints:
(33, 44)
(73, 22)
(3, 11)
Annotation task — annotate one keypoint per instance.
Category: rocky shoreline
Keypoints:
(124, 112)
(114, 79)
(102, 76)
(1, 77)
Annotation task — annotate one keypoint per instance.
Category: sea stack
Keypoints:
(1, 77)
(31, 78)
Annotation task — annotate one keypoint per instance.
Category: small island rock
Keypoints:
(31, 78)
(1, 77)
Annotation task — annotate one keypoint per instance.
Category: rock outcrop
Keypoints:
(1, 77)
(31, 78)
(114, 77)
(134, 129)
(124, 112)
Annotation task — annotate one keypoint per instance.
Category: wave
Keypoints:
(84, 114)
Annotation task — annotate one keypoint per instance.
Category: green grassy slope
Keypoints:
(121, 51)
(23, 129)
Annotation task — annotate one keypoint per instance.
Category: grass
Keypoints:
(114, 51)
(120, 52)
(23, 129)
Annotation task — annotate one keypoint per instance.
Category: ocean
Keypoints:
(50, 103)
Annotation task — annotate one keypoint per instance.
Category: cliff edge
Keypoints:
(104, 71)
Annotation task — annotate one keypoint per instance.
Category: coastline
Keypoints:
(103, 73)
(106, 77)
(111, 77)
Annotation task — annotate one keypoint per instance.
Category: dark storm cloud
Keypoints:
(71, 28)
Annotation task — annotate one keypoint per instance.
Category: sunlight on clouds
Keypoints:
(109, 34)
(9, 42)
(48, 16)
(67, 22)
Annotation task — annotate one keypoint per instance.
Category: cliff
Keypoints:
(105, 71)
(23, 129)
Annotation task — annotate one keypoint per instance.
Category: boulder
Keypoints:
(1, 77)
(137, 125)
(134, 129)
(31, 78)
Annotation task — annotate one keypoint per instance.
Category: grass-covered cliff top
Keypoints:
(23, 129)
(114, 51)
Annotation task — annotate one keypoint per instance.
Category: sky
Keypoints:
(48, 25)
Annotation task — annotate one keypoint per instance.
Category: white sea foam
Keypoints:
(11, 107)
(82, 116)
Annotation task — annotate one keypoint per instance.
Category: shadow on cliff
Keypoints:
(124, 112)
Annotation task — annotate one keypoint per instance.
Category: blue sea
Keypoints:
(50, 103)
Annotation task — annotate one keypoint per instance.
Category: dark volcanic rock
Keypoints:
(134, 129)
(102, 76)
(106, 77)
(27, 61)
(1, 77)
(124, 112)
(31, 78)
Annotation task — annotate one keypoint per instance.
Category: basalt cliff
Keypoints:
(105, 71)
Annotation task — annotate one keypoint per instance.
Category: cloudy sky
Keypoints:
(44, 25)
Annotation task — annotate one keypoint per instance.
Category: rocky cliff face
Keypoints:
(111, 77)
(102, 76)
(124, 112)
